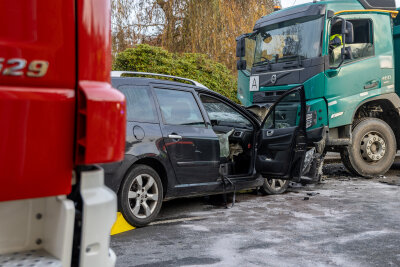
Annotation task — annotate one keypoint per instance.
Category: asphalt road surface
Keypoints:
(344, 221)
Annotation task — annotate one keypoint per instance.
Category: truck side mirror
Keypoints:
(347, 53)
(348, 32)
(330, 14)
(347, 38)
(241, 46)
(241, 64)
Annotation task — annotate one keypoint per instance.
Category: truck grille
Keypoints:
(267, 97)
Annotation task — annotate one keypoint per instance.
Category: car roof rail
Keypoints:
(119, 73)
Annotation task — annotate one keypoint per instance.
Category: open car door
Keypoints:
(282, 142)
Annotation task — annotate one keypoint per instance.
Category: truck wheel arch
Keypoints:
(389, 99)
(390, 104)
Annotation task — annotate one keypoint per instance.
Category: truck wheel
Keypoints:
(274, 186)
(140, 197)
(373, 149)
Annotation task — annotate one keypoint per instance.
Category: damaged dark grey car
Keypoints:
(185, 140)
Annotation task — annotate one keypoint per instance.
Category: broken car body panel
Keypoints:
(189, 155)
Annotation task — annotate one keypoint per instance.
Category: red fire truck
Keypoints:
(59, 116)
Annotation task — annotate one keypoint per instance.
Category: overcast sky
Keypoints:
(288, 3)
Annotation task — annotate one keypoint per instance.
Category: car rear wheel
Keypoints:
(140, 197)
(274, 186)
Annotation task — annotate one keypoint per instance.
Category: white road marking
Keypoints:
(177, 220)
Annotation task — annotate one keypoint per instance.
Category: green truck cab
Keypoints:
(346, 54)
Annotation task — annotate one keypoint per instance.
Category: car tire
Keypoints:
(141, 195)
(274, 186)
(373, 148)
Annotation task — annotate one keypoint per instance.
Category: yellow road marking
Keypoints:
(121, 225)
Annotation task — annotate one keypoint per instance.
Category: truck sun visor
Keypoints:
(378, 4)
(289, 14)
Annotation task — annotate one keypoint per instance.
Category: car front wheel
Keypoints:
(140, 197)
(274, 186)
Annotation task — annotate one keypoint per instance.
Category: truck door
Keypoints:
(282, 139)
(360, 74)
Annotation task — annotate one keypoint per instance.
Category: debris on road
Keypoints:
(393, 181)
(194, 232)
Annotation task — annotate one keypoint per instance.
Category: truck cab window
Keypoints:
(362, 47)
(249, 57)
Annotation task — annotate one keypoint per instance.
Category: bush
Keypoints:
(198, 67)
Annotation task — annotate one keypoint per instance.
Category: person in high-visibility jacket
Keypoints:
(336, 40)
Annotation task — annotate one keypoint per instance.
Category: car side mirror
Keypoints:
(241, 64)
(241, 46)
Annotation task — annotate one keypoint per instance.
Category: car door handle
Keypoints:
(371, 84)
(270, 133)
(174, 136)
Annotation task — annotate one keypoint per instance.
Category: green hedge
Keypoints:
(198, 67)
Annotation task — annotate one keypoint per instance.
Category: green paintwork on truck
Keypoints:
(345, 86)
(396, 37)
(342, 90)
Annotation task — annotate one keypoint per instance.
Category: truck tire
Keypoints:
(141, 195)
(373, 148)
(274, 186)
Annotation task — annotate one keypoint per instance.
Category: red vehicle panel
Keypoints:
(41, 77)
(101, 110)
(38, 30)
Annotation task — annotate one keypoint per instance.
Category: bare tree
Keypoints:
(198, 26)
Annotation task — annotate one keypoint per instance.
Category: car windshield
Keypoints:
(288, 41)
(223, 114)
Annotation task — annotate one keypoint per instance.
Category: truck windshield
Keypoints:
(288, 41)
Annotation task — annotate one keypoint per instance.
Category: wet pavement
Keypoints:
(344, 221)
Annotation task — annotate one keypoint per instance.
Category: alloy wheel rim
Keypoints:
(276, 184)
(143, 196)
(373, 147)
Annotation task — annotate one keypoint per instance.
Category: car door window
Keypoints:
(179, 108)
(140, 105)
(286, 113)
(222, 114)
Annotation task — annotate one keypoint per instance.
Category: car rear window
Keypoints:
(139, 103)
